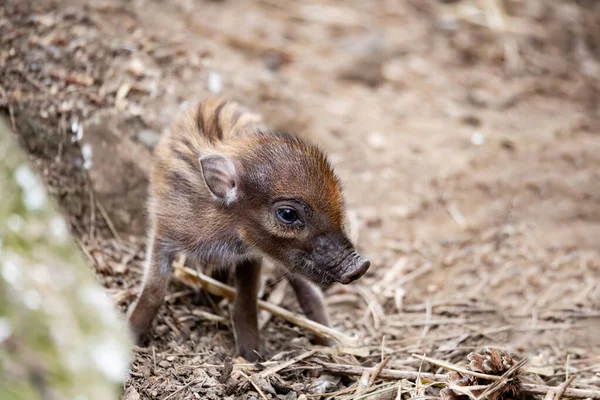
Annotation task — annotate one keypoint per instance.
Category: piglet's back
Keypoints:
(203, 127)
(197, 131)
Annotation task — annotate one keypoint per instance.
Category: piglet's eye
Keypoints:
(287, 215)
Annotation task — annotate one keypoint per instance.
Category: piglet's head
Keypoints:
(287, 204)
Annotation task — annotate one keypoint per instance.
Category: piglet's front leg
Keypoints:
(245, 309)
(311, 301)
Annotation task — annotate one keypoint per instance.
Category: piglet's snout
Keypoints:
(356, 270)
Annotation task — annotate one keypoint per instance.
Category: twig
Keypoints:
(473, 307)
(209, 317)
(276, 368)
(86, 251)
(363, 382)
(244, 366)
(32, 82)
(92, 207)
(466, 390)
(427, 326)
(108, 221)
(378, 369)
(399, 392)
(414, 274)
(373, 305)
(393, 273)
(504, 380)
(432, 322)
(378, 393)
(176, 295)
(455, 213)
(550, 395)
(72, 77)
(198, 280)
(180, 389)
(154, 359)
(529, 388)
(456, 368)
(122, 266)
(172, 326)
(343, 391)
(180, 261)
(561, 390)
(254, 384)
(384, 373)
(276, 297)
(418, 380)
(526, 388)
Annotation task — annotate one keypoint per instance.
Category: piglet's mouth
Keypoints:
(353, 267)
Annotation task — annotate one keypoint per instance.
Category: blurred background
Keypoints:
(466, 134)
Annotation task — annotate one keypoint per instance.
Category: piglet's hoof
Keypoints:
(323, 341)
(143, 340)
(250, 356)
(140, 339)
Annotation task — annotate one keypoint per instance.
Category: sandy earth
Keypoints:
(473, 175)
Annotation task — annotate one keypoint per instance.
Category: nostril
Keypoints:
(362, 267)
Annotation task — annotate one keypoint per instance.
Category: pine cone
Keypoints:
(492, 361)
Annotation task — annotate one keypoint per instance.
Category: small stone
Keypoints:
(400, 211)
(394, 70)
(210, 382)
(470, 120)
(148, 137)
(274, 60)
(477, 139)
(136, 68)
(144, 370)
(131, 394)
(325, 384)
(164, 364)
(366, 70)
(215, 82)
(367, 176)
(162, 329)
(369, 216)
(508, 144)
(298, 387)
(292, 396)
(86, 153)
(376, 140)
(479, 98)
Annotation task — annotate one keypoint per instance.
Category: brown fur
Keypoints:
(219, 182)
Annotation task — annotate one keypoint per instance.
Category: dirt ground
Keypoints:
(471, 163)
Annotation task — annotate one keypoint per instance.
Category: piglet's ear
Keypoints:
(220, 176)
